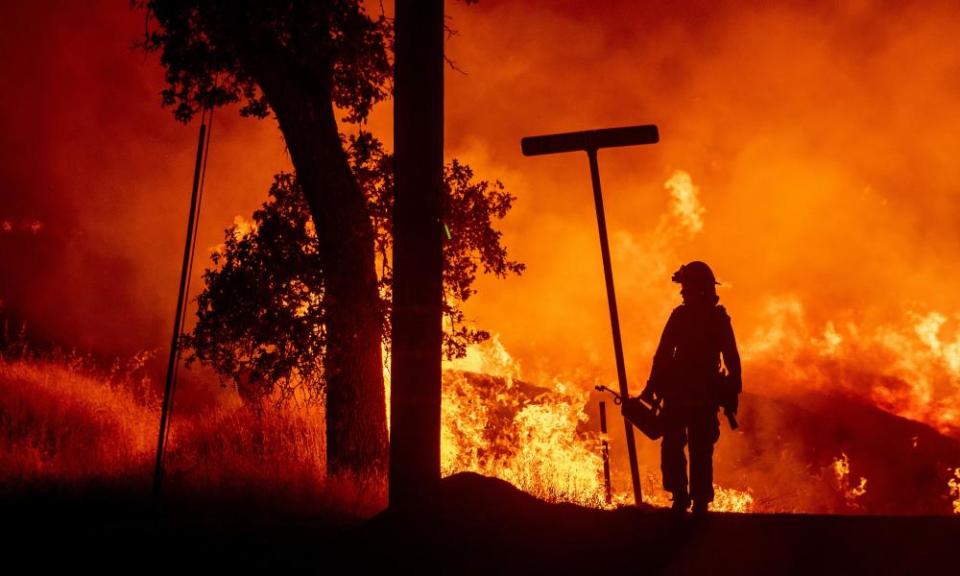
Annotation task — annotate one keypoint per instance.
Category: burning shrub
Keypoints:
(520, 433)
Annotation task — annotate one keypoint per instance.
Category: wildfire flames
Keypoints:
(686, 206)
(908, 368)
(538, 438)
(494, 424)
(528, 438)
(533, 437)
(911, 371)
(851, 492)
(540, 432)
(790, 161)
(954, 485)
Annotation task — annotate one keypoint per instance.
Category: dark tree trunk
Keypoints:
(353, 364)
(417, 254)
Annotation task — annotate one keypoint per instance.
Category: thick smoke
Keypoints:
(819, 136)
(90, 156)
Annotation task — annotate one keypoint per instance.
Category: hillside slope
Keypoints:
(487, 526)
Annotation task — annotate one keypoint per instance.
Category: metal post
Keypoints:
(181, 303)
(605, 453)
(614, 320)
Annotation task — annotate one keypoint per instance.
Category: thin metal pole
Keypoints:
(175, 343)
(605, 453)
(614, 320)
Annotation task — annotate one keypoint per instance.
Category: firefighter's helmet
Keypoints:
(695, 273)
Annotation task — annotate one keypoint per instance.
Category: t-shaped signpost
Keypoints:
(590, 141)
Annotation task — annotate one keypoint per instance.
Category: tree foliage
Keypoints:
(260, 316)
(212, 52)
(262, 311)
(306, 62)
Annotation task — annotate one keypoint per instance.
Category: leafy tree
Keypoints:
(262, 312)
(302, 60)
(260, 316)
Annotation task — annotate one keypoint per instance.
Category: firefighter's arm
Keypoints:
(731, 359)
(661, 362)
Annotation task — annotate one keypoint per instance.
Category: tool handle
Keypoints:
(617, 400)
(732, 420)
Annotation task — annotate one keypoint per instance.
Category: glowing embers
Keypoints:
(8, 226)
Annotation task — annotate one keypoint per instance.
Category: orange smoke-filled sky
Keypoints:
(821, 137)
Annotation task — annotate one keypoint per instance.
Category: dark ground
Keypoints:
(486, 527)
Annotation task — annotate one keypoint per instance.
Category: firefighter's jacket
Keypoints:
(687, 365)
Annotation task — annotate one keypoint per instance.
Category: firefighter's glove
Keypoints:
(647, 395)
(650, 397)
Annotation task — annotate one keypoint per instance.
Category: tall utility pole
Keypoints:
(415, 372)
(590, 141)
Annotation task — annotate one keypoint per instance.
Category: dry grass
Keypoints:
(64, 424)
(56, 421)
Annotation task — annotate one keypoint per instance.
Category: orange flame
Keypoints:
(909, 368)
(841, 468)
(525, 435)
(685, 203)
(533, 437)
(954, 485)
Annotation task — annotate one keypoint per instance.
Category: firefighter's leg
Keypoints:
(673, 462)
(704, 432)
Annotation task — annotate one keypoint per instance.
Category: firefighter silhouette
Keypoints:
(687, 382)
